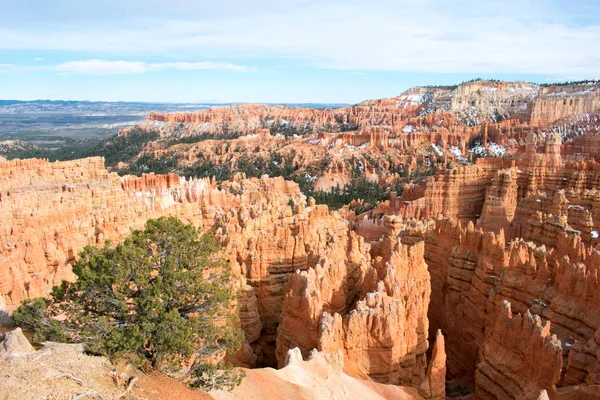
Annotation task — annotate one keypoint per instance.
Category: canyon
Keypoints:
(476, 276)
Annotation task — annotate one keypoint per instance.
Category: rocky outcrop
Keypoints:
(50, 211)
(557, 102)
(382, 329)
(473, 272)
(519, 358)
(332, 286)
(471, 103)
(434, 385)
(14, 343)
(483, 101)
(243, 118)
(500, 202)
(321, 376)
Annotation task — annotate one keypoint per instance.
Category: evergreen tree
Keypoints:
(161, 298)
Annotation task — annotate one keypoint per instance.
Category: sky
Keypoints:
(292, 51)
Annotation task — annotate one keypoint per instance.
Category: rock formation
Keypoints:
(490, 262)
(519, 358)
(383, 329)
(14, 343)
(50, 211)
(319, 377)
(434, 385)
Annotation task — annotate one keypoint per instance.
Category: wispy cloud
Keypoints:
(103, 67)
(459, 36)
(39, 59)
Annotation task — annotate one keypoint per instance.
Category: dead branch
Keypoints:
(69, 376)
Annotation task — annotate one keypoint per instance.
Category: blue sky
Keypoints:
(286, 51)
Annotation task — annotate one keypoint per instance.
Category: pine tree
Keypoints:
(161, 298)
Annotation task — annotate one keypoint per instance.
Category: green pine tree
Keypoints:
(159, 299)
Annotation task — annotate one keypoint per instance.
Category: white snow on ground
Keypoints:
(478, 150)
(578, 93)
(354, 148)
(594, 234)
(575, 126)
(437, 149)
(410, 100)
(311, 178)
(158, 124)
(493, 150)
(496, 149)
(408, 129)
(456, 151)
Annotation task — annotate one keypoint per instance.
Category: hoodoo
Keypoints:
(443, 243)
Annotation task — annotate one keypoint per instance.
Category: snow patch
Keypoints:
(496, 149)
(408, 129)
(437, 149)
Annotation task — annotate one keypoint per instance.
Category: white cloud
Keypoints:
(39, 59)
(459, 36)
(103, 67)
(6, 67)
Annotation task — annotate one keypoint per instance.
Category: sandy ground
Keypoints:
(318, 378)
(62, 371)
(43, 374)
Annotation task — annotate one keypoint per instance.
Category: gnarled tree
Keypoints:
(163, 299)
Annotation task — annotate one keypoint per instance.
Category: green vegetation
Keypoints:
(114, 149)
(161, 298)
(277, 164)
(417, 175)
(225, 134)
(289, 129)
(124, 148)
(70, 149)
(358, 188)
(146, 163)
(583, 82)
(497, 116)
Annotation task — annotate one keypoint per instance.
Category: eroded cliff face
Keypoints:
(443, 260)
(519, 358)
(374, 309)
(471, 103)
(376, 304)
(475, 273)
(50, 211)
(558, 102)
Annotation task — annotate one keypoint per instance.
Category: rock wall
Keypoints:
(558, 102)
(50, 211)
(458, 192)
(518, 359)
(383, 327)
(489, 98)
(473, 272)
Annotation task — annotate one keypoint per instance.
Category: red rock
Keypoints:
(518, 359)
(434, 385)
